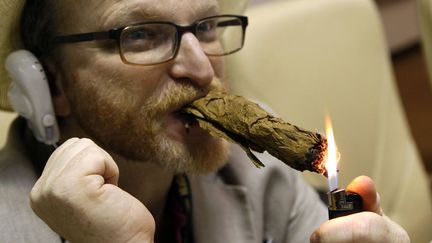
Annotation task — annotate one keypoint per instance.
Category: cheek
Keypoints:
(113, 78)
(105, 68)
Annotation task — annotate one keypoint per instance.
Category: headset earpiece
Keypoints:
(30, 96)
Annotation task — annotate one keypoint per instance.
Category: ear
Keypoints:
(55, 79)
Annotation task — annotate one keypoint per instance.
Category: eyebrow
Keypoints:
(126, 18)
(208, 10)
(139, 14)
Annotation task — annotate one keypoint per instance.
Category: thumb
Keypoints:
(365, 187)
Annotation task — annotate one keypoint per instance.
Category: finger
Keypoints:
(93, 161)
(365, 187)
(50, 163)
(35, 192)
(60, 161)
(359, 227)
(51, 167)
(112, 172)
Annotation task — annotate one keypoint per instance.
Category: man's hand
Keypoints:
(78, 197)
(368, 226)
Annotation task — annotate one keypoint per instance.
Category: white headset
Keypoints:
(30, 96)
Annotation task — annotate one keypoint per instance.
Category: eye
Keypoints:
(206, 26)
(207, 31)
(146, 37)
(141, 34)
(142, 38)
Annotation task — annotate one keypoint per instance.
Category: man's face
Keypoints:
(132, 109)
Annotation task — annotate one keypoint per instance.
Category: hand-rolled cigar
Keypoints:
(243, 122)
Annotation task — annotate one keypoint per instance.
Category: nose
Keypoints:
(191, 63)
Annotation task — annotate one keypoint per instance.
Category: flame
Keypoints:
(332, 157)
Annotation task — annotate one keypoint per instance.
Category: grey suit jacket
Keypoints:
(239, 203)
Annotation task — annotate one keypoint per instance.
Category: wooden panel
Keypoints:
(415, 91)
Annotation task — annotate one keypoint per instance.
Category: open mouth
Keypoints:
(189, 121)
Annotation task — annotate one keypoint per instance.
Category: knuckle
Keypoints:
(94, 153)
(37, 192)
(90, 153)
(35, 196)
(73, 139)
(369, 228)
(56, 192)
(49, 190)
(66, 145)
(87, 141)
(83, 142)
(41, 194)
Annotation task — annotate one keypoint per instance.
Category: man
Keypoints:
(122, 89)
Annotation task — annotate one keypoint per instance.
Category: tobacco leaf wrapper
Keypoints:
(241, 121)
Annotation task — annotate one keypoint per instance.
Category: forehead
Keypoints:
(96, 14)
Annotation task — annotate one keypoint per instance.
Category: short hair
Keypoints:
(37, 26)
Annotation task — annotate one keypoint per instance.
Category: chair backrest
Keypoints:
(424, 9)
(308, 57)
(5, 121)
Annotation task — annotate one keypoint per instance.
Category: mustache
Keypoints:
(174, 95)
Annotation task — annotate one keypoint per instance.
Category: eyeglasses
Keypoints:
(157, 42)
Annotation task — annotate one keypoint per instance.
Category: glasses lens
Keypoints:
(220, 35)
(148, 43)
